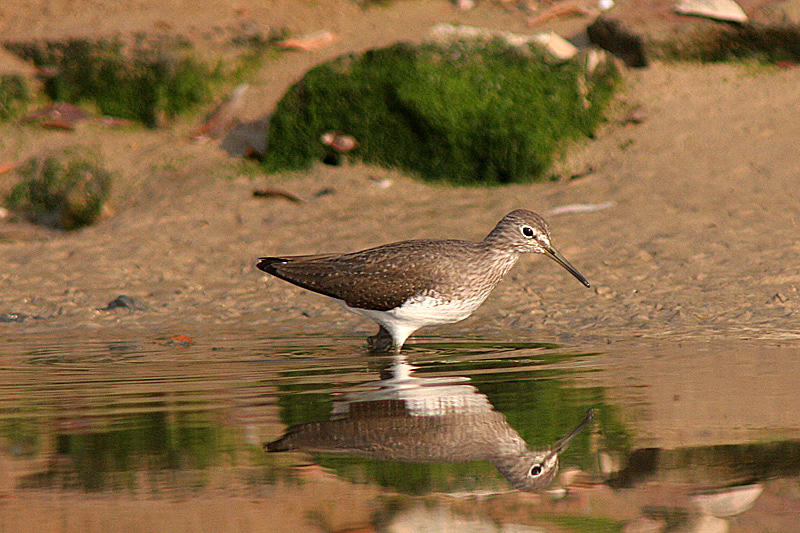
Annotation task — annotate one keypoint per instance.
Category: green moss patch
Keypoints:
(147, 81)
(470, 112)
(65, 190)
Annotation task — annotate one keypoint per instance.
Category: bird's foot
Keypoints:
(381, 343)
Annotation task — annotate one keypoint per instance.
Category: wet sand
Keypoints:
(701, 242)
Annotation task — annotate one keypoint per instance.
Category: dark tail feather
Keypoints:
(267, 264)
(280, 445)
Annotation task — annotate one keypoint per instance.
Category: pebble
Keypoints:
(605, 291)
(778, 297)
(645, 525)
(121, 301)
(13, 317)
(180, 340)
(645, 256)
(384, 183)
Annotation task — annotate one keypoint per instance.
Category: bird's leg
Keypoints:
(381, 343)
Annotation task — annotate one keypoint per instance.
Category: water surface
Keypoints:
(137, 431)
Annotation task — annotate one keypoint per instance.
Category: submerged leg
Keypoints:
(381, 342)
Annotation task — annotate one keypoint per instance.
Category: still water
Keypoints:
(135, 432)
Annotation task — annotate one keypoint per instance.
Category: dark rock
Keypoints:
(13, 317)
(122, 302)
(275, 192)
(612, 35)
(324, 192)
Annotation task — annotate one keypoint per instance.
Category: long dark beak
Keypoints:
(553, 254)
(562, 443)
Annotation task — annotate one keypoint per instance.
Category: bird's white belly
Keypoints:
(417, 312)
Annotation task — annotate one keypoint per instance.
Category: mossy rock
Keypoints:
(14, 96)
(469, 112)
(148, 81)
(66, 190)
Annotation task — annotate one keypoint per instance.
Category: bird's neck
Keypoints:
(499, 258)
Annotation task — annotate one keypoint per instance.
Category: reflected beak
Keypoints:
(561, 444)
(553, 254)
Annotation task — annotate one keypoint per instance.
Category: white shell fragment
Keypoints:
(729, 502)
(715, 9)
(580, 208)
(555, 44)
(340, 142)
(708, 524)
(550, 41)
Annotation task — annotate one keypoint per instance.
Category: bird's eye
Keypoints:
(527, 231)
(536, 470)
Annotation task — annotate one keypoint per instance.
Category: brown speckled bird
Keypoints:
(411, 284)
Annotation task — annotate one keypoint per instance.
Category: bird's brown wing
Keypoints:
(379, 279)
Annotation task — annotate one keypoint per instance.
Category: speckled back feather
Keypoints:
(384, 277)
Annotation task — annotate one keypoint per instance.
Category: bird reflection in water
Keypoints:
(437, 420)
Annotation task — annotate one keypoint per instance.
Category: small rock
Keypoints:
(121, 301)
(573, 476)
(224, 116)
(8, 167)
(180, 340)
(610, 34)
(566, 9)
(13, 317)
(708, 524)
(603, 290)
(556, 45)
(252, 153)
(309, 42)
(609, 464)
(645, 525)
(385, 183)
(637, 116)
(275, 192)
(677, 314)
(645, 256)
(580, 208)
(327, 191)
(557, 493)
(594, 59)
(779, 298)
(341, 142)
(59, 112)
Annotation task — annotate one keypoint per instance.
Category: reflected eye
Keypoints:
(527, 231)
(536, 470)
